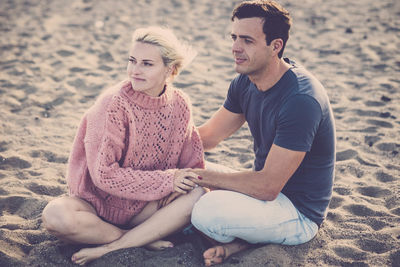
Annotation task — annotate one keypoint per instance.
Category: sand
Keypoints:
(57, 56)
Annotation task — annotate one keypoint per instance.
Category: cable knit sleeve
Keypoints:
(105, 158)
(192, 155)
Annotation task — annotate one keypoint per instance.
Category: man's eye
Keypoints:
(147, 64)
(247, 41)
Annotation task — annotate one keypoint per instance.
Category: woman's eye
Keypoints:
(147, 64)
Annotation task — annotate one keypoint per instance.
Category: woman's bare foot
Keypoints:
(160, 245)
(86, 255)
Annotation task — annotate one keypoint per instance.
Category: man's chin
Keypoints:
(240, 69)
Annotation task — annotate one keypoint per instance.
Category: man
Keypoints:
(284, 199)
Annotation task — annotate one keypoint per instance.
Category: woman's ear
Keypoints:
(171, 71)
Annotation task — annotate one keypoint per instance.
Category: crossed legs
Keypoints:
(236, 221)
(72, 219)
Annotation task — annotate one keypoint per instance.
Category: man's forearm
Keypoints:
(251, 183)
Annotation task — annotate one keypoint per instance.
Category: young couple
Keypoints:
(136, 171)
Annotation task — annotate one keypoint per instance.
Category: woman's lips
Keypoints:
(135, 79)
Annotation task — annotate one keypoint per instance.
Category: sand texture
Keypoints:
(57, 56)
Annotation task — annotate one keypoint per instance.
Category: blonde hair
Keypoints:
(174, 53)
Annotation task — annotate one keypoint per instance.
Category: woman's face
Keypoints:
(146, 69)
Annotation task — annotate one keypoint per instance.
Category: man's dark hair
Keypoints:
(276, 19)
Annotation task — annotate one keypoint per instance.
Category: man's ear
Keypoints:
(277, 45)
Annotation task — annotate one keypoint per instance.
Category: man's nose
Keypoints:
(236, 46)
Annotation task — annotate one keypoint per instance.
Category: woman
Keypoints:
(124, 168)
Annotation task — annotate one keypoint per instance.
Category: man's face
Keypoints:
(249, 48)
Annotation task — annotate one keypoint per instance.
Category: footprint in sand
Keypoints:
(105, 68)
(367, 130)
(380, 123)
(395, 256)
(13, 163)
(376, 224)
(374, 104)
(366, 163)
(366, 113)
(65, 53)
(333, 216)
(335, 202)
(2, 191)
(387, 147)
(3, 146)
(373, 245)
(346, 155)
(374, 191)
(393, 204)
(77, 70)
(49, 156)
(11, 204)
(362, 210)
(371, 140)
(343, 191)
(350, 253)
(47, 190)
(25, 207)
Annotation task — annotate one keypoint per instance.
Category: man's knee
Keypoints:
(204, 213)
(193, 197)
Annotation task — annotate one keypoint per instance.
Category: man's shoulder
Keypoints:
(308, 84)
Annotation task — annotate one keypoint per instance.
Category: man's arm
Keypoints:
(266, 184)
(221, 125)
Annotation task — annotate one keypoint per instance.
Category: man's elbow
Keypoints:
(208, 142)
(209, 145)
(268, 195)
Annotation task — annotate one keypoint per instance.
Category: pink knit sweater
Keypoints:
(128, 147)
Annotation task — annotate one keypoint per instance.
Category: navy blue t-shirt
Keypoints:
(294, 114)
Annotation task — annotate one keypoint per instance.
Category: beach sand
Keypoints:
(57, 56)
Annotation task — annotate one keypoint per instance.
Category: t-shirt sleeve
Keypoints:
(232, 99)
(297, 123)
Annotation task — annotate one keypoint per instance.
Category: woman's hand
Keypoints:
(181, 182)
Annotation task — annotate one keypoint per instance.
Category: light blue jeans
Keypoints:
(226, 215)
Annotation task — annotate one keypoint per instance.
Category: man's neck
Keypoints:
(266, 80)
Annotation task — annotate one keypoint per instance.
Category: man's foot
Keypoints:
(214, 255)
(86, 255)
(160, 245)
(219, 253)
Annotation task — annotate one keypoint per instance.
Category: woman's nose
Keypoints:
(134, 68)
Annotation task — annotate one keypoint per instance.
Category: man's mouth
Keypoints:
(239, 60)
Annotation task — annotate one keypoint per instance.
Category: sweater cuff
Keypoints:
(170, 178)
